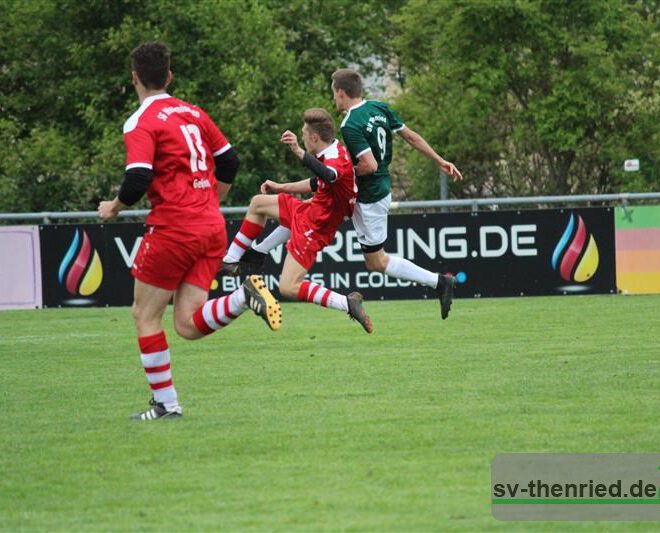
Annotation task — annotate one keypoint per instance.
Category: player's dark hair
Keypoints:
(349, 80)
(151, 62)
(320, 122)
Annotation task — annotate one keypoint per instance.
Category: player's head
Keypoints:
(151, 65)
(346, 86)
(318, 129)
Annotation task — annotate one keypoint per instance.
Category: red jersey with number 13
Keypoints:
(178, 141)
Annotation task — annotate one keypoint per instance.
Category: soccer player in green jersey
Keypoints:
(367, 131)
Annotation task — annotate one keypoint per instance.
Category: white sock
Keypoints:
(316, 294)
(338, 301)
(276, 237)
(398, 267)
(155, 356)
(220, 312)
(246, 235)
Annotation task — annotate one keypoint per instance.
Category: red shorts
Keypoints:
(170, 256)
(305, 241)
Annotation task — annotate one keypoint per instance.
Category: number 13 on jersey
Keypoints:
(197, 152)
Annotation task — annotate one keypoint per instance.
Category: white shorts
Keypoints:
(370, 221)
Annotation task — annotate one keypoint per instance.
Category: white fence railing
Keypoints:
(473, 203)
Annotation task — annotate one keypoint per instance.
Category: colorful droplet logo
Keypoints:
(81, 272)
(576, 254)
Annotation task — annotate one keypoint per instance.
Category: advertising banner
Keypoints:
(88, 264)
(20, 267)
(638, 249)
(508, 253)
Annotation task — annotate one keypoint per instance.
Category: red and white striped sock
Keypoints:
(155, 355)
(243, 240)
(315, 294)
(219, 312)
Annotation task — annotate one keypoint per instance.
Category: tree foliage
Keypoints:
(525, 96)
(544, 96)
(253, 65)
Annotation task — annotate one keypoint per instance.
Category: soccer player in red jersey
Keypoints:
(178, 156)
(312, 223)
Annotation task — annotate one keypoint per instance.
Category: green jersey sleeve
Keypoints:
(355, 141)
(396, 124)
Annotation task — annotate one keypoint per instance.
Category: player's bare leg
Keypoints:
(398, 267)
(149, 305)
(294, 286)
(291, 278)
(262, 207)
(188, 299)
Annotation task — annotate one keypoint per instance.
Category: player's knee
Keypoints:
(179, 327)
(138, 313)
(185, 329)
(144, 318)
(256, 203)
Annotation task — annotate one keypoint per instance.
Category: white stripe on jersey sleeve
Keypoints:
(140, 165)
(362, 153)
(222, 150)
(399, 129)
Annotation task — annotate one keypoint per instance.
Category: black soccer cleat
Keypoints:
(262, 302)
(357, 312)
(157, 411)
(253, 259)
(230, 269)
(445, 290)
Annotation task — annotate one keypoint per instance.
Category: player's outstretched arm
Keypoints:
(321, 171)
(418, 142)
(291, 140)
(296, 187)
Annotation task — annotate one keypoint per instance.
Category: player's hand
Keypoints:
(289, 138)
(269, 186)
(108, 209)
(451, 170)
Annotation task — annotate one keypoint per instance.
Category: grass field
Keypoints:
(318, 426)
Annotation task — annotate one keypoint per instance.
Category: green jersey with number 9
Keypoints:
(369, 126)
